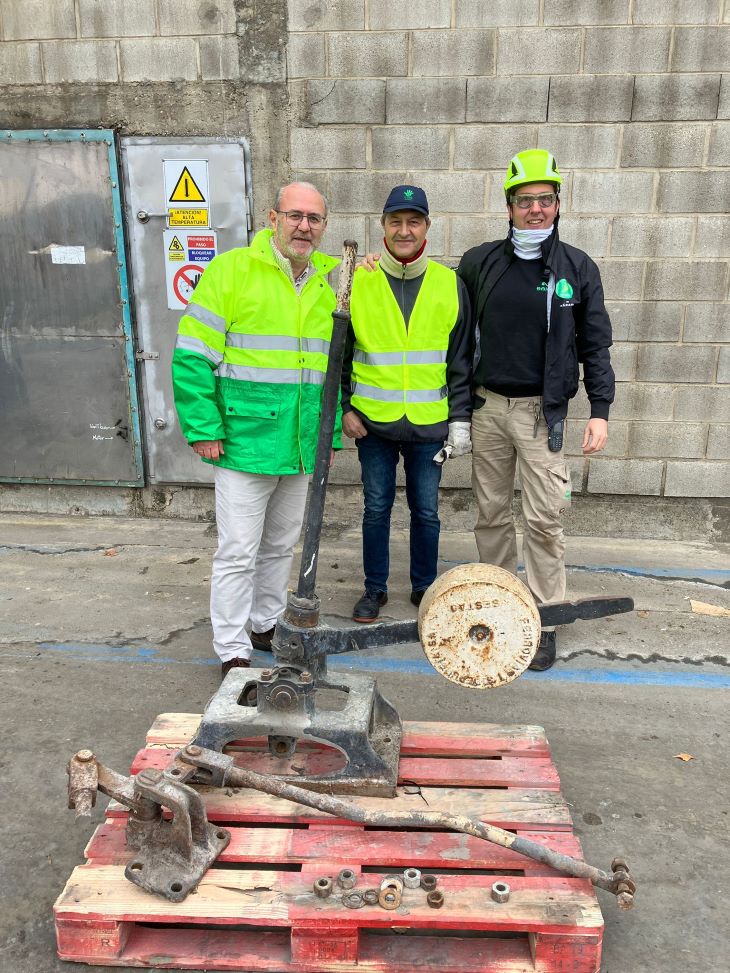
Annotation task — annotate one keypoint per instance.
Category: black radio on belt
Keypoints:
(555, 436)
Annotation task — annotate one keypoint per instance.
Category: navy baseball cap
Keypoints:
(406, 197)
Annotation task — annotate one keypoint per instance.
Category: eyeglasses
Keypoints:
(295, 218)
(545, 200)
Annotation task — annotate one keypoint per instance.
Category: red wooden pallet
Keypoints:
(255, 910)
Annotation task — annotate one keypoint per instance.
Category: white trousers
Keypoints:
(259, 521)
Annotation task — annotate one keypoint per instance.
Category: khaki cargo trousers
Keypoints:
(505, 432)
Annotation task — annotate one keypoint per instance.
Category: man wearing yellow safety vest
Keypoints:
(405, 389)
(248, 371)
(540, 312)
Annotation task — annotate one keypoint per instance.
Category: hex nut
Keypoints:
(435, 899)
(500, 892)
(322, 887)
(412, 878)
(347, 879)
(353, 900)
(428, 882)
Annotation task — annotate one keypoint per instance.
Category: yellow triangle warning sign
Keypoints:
(186, 189)
(176, 246)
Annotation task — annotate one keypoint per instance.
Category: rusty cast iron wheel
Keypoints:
(479, 626)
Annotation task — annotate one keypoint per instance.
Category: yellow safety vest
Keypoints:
(399, 371)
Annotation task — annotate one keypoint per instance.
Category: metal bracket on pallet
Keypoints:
(171, 855)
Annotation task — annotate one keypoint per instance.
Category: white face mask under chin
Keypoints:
(527, 243)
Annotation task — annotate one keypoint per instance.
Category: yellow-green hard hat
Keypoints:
(532, 165)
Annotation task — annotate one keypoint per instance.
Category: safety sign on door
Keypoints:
(187, 199)
(187, 254)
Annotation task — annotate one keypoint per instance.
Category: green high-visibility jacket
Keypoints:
(250, 360)
(399, 371)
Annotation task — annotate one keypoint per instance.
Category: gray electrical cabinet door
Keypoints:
(67, 386)
(184, 202)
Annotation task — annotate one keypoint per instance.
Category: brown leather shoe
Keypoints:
(234, 664)
(262, 640)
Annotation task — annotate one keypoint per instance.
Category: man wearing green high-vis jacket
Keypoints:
(248, 372)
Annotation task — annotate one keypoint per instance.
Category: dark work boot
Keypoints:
(546, 652)
(262, 640)
(234, 664)
(368, 608)
(417, 596)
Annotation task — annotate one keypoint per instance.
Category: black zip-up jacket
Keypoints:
(458, 369)
(579, 328)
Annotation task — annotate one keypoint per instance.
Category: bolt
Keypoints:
(305, 676)
(84, 756)
(266, 675)
(193, 750)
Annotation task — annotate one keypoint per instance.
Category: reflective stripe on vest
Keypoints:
(276, 376)
(399, 371)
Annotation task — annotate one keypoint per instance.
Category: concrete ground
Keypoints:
(105, 625)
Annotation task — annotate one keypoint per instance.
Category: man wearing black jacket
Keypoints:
(539, 310)
(406, 390)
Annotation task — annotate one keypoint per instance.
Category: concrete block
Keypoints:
(679, 440)
(470, 231)
(362, 192)
(642, 477)
(490, 146)
(702, 403)
(723, 107)
(651, 236)
(617, 438)
(585, 12)
(341, 227)
(452, 192)
(159, 59)
(623, 360)
(37, 19)
(436, 245)
(365, 55)
(497, 13)
(305, 56)
(675, 97)
(621, 279)
(20, 63)
(686, 280)
(117, 18)
(517, 99)
(386, 15)
(352, 102)
(537, 50)
(611, 192)
(451, 53)
(646, 321)
(706, 322)
(326, 15)
(334, 148)
(196, 17)
(590, 98)
(79, 61)
(718, 442)
(663, 146)
(398, 147)
(674, 12)
(586, 232)
(642, 401)
(697, 479)
(219, 57)
(677, 363)
(700, 49)
(627, 50)
(719, 152)
(723, 368)
(425, 101)
(693, 192)
(582, 146)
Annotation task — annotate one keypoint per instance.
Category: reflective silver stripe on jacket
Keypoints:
(204, 316)
(398, 395)
(186, 343)
(281, 376)
(399, 357)
(275, 342)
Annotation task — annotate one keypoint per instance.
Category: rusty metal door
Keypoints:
(68, 397)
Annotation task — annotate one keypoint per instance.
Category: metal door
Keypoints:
(158, 171)
(68, 398)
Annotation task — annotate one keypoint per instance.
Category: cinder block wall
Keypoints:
(633, 97)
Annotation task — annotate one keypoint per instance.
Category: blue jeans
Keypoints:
(378, 461)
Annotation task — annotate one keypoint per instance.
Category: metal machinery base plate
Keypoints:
(286, 705)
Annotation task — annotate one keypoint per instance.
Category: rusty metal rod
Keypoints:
(619, 882)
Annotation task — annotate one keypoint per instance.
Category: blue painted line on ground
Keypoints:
(715, 575)
(147, 654)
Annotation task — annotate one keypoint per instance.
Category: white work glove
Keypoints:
(457, 444)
